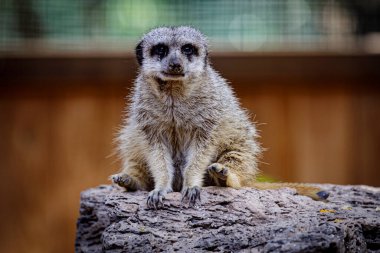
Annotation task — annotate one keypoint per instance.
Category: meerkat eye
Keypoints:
(189, 49)
(161, 50)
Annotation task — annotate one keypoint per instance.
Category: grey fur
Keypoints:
(185, 129)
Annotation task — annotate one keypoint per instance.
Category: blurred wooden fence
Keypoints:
(319, 117)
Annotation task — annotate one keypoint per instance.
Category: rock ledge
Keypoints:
(229, 220)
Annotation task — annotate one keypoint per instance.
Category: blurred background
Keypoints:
(307, 70)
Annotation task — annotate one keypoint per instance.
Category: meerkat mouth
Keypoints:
(173, 75)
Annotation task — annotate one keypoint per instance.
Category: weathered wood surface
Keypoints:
(229, 220)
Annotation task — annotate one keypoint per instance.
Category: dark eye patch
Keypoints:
(189, 50)
(161, 50)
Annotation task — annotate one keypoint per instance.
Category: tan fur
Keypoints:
(184, 129)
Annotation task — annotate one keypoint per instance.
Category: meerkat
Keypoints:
(185, 127)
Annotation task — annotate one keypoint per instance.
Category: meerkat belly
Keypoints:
(178, 145)
(178, 166)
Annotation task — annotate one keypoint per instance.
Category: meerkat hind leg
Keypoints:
(225, 172)
(124, 180)
(132, 180)
(223, 176)
(217, 171)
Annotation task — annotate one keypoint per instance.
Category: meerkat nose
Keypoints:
(175, 66)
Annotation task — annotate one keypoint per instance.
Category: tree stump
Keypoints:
(230, 220)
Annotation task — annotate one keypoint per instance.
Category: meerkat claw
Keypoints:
(191, 195)
(156, 199)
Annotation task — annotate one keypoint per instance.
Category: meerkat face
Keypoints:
(172, 53)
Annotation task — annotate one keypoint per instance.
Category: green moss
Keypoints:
(265, 178)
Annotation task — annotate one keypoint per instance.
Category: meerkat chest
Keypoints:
(178, 127)
(177, 122)
(178, 114)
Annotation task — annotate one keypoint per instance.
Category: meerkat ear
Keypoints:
(139, 53)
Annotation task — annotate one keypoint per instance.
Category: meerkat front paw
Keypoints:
(191, 195)
(218, 170)
(156, 198)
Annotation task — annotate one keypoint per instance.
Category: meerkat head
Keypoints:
(172, 53)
